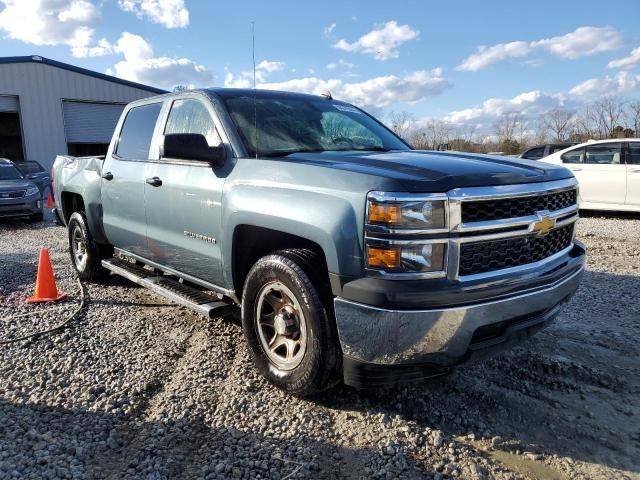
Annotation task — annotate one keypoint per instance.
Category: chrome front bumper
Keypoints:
(440, 337)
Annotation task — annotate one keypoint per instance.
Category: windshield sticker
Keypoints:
(347, 108)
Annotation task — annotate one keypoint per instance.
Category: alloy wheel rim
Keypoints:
(79, 248)
(281, 326)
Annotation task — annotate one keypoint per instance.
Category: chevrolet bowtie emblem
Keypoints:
(543, 225)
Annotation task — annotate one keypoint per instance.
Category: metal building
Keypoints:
(49, 108)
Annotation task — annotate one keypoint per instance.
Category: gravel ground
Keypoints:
(138, 388)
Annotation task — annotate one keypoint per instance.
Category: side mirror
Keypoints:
(192, 146)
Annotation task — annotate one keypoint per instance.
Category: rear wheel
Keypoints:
(288, 323)
(86, 255)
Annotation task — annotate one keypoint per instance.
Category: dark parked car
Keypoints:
(19, 196)
(540, 151)
(36, 173)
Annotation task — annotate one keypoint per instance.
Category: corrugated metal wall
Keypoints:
(41, 89)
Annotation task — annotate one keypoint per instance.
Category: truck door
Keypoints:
(123, 176)
(183, 199)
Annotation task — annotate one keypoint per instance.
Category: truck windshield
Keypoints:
(287, 125)
(9, 172)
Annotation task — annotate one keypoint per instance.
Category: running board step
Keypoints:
(204, 303)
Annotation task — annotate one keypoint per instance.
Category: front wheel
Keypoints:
(86, 255)
(288, 323)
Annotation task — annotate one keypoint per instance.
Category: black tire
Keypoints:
(320, 365)
(36, 217)
(90, 267)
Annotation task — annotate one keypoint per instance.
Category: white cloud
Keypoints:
(340, 63)
(103, 47)
(374, 92)
(527, 104)
(329, 28)
(169, 13)
(269, 67)
(625, 62)
(245, 79)
(381, 42)
(50, 22)
(622, 82)
(584, 41)
(139, 65)
(485, 56)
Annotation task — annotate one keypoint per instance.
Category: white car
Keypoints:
(608, 172)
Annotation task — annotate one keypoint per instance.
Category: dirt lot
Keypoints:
(137, 388)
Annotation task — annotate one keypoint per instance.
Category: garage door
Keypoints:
(8, 103)
(86, 122)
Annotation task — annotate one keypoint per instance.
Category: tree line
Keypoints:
(512, 133)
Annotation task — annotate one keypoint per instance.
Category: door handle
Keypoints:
(154, 181)
(576, 169)
(635, 170)
(107, 176)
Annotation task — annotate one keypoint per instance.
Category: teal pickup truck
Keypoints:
(352, 256)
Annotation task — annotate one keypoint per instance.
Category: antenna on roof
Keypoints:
(255, 101)
(327, 95)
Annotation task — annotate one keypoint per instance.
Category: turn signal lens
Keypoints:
(383, 258)
(383, 213)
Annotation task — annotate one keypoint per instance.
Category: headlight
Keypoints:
(402, 212)
(31, 191)
(411, 257)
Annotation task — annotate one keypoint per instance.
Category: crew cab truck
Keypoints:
(352, 256)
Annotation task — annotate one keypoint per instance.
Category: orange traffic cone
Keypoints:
(50, 202)
(46, 290)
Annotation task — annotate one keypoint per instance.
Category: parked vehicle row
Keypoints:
(608, 172)
(20, 196)
(540, 151)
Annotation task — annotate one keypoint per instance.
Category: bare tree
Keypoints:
(400, 122)
(559, 122)
(506, 126)
(634, 117)
(609, 112)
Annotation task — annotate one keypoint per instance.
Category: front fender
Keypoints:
(317, 215)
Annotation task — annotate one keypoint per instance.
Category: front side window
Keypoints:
(573, 156)
(606, 153)
(137, 132)
(634, 153)
(9, 172)
(280, 125)
(191, 116)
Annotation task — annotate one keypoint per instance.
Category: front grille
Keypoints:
(492, 255)
(486, 210)
(12, 194)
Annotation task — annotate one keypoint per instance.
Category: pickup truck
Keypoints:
(352, 256)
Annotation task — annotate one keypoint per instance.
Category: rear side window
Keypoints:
(534, 153)
(137, 132)
(634, 153)
(573, 156)
(556, 148)
(604, 154)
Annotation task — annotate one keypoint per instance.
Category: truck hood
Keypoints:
(19, 184)
(418, 170)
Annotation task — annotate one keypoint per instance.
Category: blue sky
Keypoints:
(418, 56)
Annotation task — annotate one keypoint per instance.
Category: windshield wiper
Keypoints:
(284, 153)
(374, 148)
